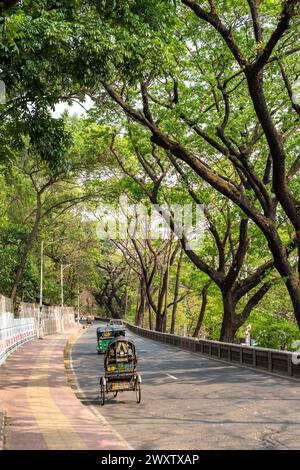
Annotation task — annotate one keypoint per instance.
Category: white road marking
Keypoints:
(172, 376)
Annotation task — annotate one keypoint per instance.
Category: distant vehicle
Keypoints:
(105, 335)
(120, 368)
(116, 322)
(89, 320)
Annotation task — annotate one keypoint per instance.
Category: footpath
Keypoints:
(39, 408)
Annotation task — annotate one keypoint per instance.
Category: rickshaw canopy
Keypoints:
(121, 350)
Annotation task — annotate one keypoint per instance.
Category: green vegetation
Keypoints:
(193, 103)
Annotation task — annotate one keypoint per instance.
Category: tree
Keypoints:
(53, 186)
(152, 262)
(201, 96)
(243, 127)
(111, 294)
(231, 238)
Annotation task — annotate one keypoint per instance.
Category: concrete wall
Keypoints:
(51, 318)
(16, 331)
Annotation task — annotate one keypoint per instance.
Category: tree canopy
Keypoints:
(193, 102)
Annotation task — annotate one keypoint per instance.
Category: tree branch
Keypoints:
(253, 4)
(213, 19)
(284, 23)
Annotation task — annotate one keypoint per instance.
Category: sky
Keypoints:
(77, 108)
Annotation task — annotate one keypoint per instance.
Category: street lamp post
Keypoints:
(78, 303)
(62, 268)
(62, 296)
(40, 312)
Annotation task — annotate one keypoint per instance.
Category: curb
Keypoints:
(71, 379)
(2, 429)
(79, 393)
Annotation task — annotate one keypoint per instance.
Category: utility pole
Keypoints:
(78, 303)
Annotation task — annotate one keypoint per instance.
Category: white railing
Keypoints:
(16, 331)
(13, 333)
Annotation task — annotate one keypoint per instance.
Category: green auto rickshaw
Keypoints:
(105, 336)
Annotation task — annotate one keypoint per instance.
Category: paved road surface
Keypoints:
(190, 402)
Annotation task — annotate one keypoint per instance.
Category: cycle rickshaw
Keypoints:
(120, 367)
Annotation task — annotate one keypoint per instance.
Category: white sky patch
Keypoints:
(77, 108)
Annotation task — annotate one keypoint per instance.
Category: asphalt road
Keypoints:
(190, 402)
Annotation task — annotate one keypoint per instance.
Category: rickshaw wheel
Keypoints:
(102, 393)
(138, 392)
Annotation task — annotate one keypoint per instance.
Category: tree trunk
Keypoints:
(176, 294)
(286, 271)
(293, 286)
(111, 308)
(126, 302)
(202, 310)
(228, 329)
(166, 307)
(142, 305)
(280, 188)
(159, 322)
(27, 248)
(150, 317)
(165, 288)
